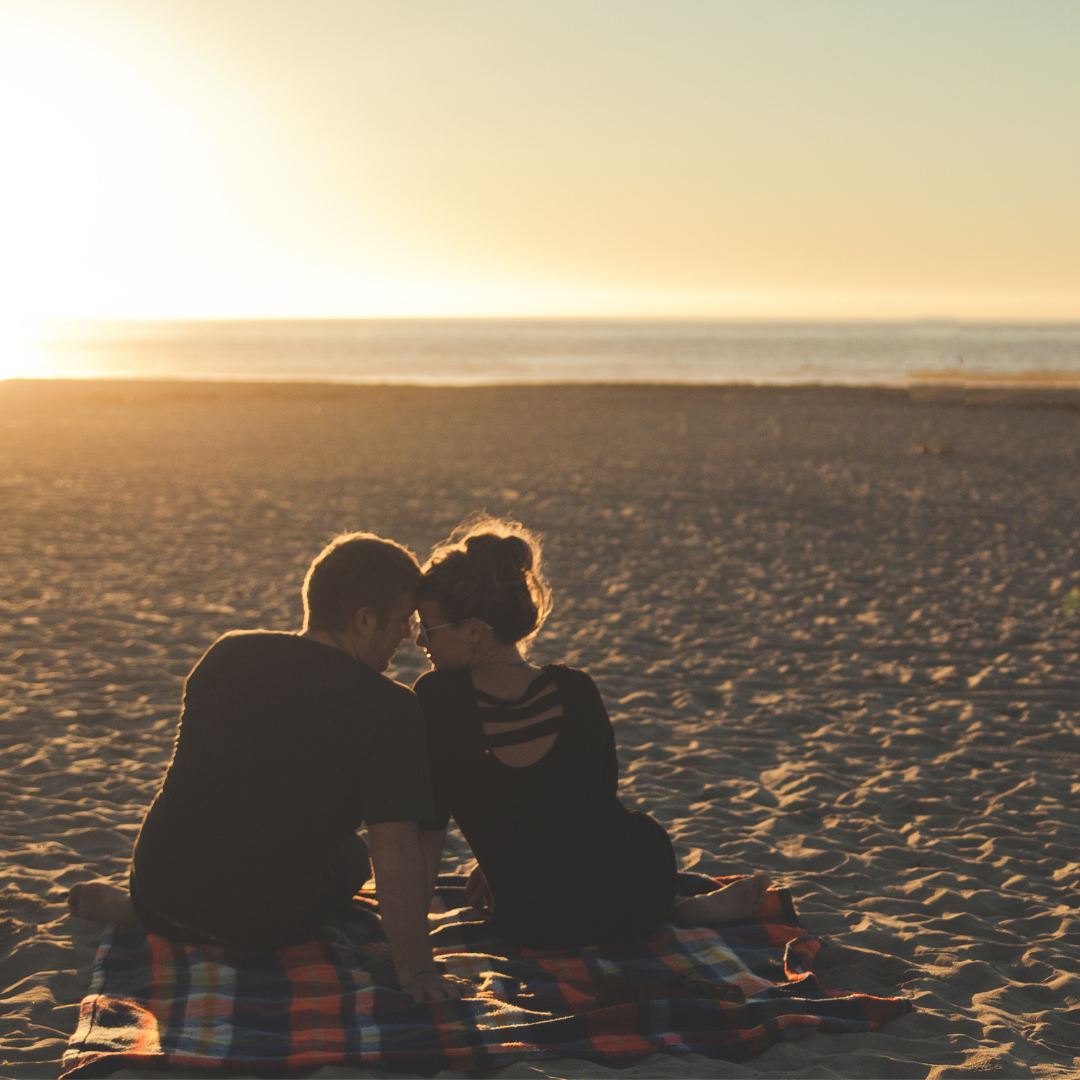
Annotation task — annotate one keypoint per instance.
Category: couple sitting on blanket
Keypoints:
(289, 742)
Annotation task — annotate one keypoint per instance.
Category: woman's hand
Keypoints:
(432, 986)
(478, 892)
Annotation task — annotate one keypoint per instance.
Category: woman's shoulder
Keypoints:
(572, 680)
(435, 688)
(447, 704)
(566, 673)
(436, 685)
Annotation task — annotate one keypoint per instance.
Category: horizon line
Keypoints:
(745, 320)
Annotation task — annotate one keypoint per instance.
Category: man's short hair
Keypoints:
(357, 570)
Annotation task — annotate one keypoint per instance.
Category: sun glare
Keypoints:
(95, 158)
(178, 160)
(21, 354)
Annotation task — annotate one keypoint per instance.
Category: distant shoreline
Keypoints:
(930, 388)
(928, 324)
(527, 352)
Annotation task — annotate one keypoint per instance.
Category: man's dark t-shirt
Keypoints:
(285, 746)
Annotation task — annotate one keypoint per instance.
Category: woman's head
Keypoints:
(489, 569)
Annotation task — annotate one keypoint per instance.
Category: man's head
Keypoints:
(361, 580)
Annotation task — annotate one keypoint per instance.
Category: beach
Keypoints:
(833, 628)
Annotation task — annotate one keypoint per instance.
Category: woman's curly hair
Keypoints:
(490, 569)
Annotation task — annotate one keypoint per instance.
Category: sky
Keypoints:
(832, 159)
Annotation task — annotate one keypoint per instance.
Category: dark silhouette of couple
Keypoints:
(289, 742)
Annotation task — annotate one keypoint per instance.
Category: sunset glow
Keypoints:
(259, 158)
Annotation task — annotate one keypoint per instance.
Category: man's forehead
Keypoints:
(404, 604)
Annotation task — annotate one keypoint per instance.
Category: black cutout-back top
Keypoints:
(567, 863)
(540, 703)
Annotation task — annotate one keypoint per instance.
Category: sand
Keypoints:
(828, 625)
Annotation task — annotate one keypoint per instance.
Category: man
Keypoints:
(287, 742)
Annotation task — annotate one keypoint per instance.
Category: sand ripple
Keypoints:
(826, 655)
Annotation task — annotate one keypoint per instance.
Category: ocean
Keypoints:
(461, 352)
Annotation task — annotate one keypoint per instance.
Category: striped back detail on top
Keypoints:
(538, 712)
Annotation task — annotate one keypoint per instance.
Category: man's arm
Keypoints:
(401, 886)
(432, 845)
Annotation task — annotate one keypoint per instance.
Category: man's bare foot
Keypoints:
(101, 902)
(732, 903)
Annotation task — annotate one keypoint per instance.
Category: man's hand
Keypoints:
(431, 986)
(402, 888)
(478, 892)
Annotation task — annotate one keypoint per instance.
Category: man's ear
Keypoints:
(364, 622)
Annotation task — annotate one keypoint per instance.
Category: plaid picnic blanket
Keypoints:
(154, 1003)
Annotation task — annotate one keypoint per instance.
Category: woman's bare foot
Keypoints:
(732, 903)
(101, 902)
(379, 949)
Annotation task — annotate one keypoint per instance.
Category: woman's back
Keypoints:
(520, 711)
(531, 782)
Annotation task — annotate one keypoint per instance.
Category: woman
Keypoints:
(524, 759)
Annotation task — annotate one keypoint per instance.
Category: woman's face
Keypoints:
(446, 645)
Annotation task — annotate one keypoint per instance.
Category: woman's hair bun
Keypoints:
(508, 558)
(490, 568)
